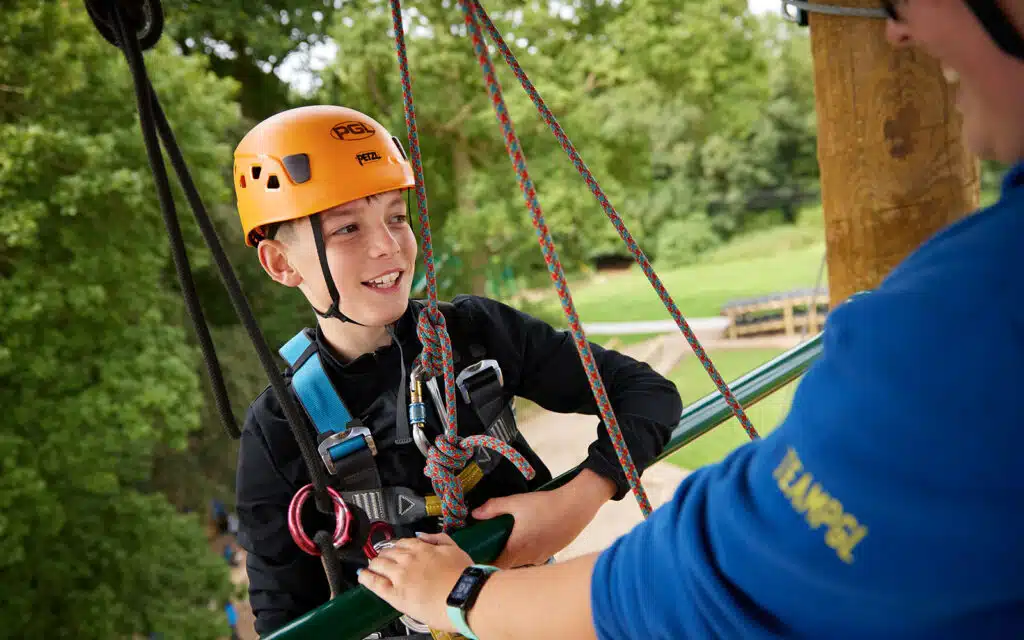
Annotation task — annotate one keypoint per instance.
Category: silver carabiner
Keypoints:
(415, 380)
(420, 438)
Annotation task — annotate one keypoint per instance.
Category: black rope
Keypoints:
(178, 251)
(153, 118)
(220, 392)
(332, 562)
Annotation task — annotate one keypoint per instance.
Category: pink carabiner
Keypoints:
(343, 520)
(370, 547)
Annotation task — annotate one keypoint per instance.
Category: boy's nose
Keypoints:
(384, 242)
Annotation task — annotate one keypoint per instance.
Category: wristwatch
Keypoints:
(464, 594)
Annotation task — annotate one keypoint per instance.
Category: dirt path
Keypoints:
(561, 441)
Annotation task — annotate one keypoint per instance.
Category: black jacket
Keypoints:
(538, 363)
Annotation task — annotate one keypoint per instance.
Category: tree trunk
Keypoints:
(477, 258)
(894, 168)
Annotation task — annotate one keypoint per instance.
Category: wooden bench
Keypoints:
(787, 312)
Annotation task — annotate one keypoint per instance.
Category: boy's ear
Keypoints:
(274, 259)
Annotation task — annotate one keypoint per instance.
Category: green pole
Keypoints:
(357, 613)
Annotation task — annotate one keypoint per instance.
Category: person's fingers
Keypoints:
(387, 558)
(408, 545)
(494, 507)
(437, 539)
(375, 582)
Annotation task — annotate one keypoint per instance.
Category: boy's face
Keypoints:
(371, 252)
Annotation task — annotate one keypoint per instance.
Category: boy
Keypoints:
(320, 195)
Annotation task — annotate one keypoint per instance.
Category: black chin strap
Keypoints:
(334, 311)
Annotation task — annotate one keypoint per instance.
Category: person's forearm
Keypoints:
(590, 489)
(549, 601)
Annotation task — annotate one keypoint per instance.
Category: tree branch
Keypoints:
(453, 125)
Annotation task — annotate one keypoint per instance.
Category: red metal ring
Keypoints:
(343, 520)
(375, 527)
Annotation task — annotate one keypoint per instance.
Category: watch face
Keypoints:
(463, 588)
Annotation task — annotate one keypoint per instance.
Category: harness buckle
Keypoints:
(474, 370)
(338, 445)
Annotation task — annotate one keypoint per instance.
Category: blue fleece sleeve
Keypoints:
(883, 506)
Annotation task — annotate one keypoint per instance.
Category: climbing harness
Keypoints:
(347, 447)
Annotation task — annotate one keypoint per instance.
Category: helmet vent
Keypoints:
(241, 180)
(297, 166)
(256, 171)
(272, 183)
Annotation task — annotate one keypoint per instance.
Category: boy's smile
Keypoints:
(386, 282)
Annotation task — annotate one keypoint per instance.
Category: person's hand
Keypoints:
(415, 576)
(547, 521)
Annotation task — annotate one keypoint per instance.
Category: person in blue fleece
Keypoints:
(888, 504)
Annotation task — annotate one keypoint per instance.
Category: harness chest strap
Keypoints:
(347, 446)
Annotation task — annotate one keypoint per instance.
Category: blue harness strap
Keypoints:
(322, 403)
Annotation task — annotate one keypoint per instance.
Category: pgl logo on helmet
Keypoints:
(354, 130)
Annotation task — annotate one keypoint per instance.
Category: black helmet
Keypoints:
(999, 26)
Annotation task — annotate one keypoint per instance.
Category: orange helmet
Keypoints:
(309, 159)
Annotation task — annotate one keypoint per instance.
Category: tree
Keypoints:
(249, 42)
(728, 104)
(96, 367)
(477, 211)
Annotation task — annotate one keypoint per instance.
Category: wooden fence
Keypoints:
(790, 312)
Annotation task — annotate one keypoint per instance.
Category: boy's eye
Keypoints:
(344, 229)
(399, 218)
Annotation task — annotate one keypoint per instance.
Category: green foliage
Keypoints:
(681, 242)
(249, 42)
(731, 117)
(96, 370)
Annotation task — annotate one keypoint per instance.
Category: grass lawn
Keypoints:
(694, 383)
(765, 262)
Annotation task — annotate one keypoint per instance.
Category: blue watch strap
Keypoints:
(458, 619)
(458, 616)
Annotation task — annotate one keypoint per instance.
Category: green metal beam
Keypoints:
(357, 613)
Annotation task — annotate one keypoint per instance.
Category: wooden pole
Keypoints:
(894, 169)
